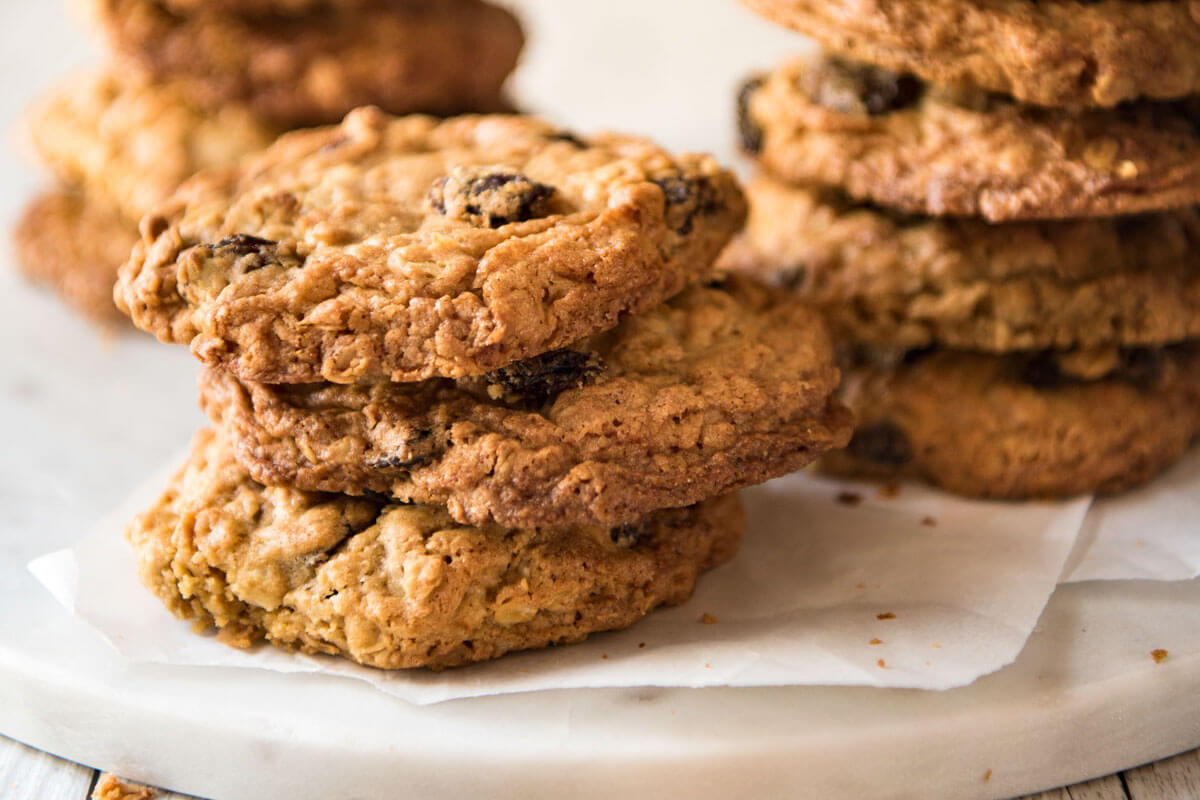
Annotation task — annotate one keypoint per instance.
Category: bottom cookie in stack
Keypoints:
(398, 586)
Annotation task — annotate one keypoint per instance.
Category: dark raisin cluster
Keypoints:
(686, 197)
(490, 197)
(536, 381)
(851, 88)
(417, 449)
(252, 252)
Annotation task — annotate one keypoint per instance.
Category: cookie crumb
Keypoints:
(882, 664)
(885, 615)
(604, 656)
(987, 776)
(928, 522)
(889, 490)
(849, 498)
(1159, 656)
(875, 641)
(110, 787)
(708, 619)
(641, 644)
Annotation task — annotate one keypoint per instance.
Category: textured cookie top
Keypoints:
(1049, 52)
(403, 586)
(134, 143)
(430, 56)
(891, 139)
(262, 7)
(1025, 426)
(407, 248)
(75, 245)
(910, 281)
(718, 389)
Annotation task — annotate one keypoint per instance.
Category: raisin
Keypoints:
(881, 443)
(686, 197)
(1142, 366)
(251, 252)
(490, 196)
(751, 132)
(628, 536)
(537, 380)
(568, 137)
(1042, 371)
(417, 449)
(851, 88)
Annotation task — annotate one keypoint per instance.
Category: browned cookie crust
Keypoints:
(1049, 52)
(896, 141)
(405, 249)
(75, 245)
(133, 143)
(259, 7)
(889, 279)
(719, 389)
(433, 56)
(395, 586)
(1022, 426)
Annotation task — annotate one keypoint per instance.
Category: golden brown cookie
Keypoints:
(896, 141)
(433, 56)
(1049, 52)
(896, 280)
(75, 245)
(1035, 425)
(721, 388)
(397, 586)
(405, 249)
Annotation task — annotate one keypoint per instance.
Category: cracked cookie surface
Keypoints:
(396, 586)
(898, 280)
(890, 139)
(720, 388)
(134, 143)
(75, 245)
(1034, 425)
(336, 255)
(430, 56)
(1048, 52)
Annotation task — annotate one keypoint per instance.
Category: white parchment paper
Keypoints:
(1152, 533)
(837, 584)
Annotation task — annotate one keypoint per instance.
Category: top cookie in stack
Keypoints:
(196, 85)
(1017, 285)
(485, 329)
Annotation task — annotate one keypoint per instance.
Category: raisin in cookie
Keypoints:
(134, 143)
(721, 388)
(444, 57)
(1048, 52)
(885, 278)
(75, 245)
(894, 140)
(405, 249)
(396, 586)
(1040, 425)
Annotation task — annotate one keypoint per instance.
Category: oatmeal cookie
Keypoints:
(134, 143)
(721, 388)
(1048, 52)
(405, 249)
(397, 586)
(433, 56)
(75, 245)
(886, 278)
(1034, 425)
(894, 140)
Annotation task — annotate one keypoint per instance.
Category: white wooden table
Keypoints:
(27, 774)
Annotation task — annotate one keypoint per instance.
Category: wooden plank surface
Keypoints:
(27, 774)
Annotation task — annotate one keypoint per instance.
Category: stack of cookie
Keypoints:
(1010, 256)
(195, 85)
(474, 384)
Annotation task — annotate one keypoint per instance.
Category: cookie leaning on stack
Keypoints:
(475, 384)
(1017, 287)
(192, 86)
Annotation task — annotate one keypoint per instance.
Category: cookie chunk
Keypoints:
(406, 249)
(445, 57)
(397, 586)
(1056, 53)
(889, 279)
(75, 245)
(720, 388)
(134, 143)
(1034, 425)
(894, 140)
